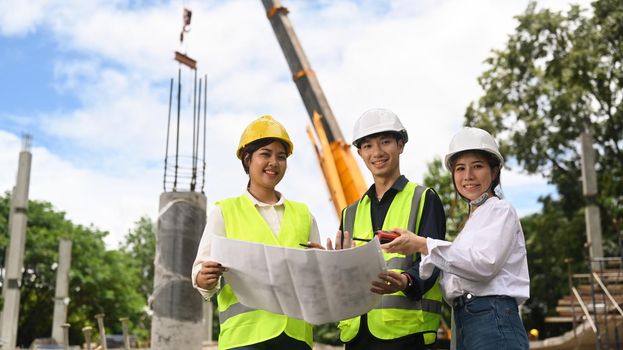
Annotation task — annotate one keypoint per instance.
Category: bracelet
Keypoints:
(409, 280)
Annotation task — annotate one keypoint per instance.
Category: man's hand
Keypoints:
(389, 282)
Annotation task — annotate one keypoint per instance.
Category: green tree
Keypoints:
(140, 247)
(439, 179)
(100, 280)
(551, 237)
(559, 74)
(327, 334)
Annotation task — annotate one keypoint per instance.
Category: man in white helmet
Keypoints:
(410, 311)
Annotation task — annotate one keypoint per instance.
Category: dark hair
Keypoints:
(248, 150)
(492, 160)
(395, 134)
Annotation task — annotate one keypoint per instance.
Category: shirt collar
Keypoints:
(398, 186)
(262, 204)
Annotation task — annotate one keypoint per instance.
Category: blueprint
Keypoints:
(318, 286)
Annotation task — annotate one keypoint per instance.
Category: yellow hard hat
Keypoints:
(534, 332)
(264, 127)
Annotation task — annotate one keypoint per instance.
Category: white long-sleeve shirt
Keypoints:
(488, 257)
(215, 225)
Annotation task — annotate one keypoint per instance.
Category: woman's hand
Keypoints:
(406, 243)
(208, 276)
(389, 282)
(338, 242)
(339, 238)
(313, 245)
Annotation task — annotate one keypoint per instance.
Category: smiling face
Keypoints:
(267, 165)
(473, 175)
(381, 154)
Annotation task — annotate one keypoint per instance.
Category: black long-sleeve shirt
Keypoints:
(432, 224)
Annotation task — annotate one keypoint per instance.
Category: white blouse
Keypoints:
(215, 225)
(488, 257)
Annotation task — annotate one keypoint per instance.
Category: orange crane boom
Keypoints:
(342, 175)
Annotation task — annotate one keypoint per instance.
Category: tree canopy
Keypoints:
(101, 281)
(559, 74)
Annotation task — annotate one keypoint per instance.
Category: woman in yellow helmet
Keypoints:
(261, 214)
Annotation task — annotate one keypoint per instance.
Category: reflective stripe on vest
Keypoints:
(241, 325)
(396, 316)
(233, 310)
(399, 302)
(397, 263)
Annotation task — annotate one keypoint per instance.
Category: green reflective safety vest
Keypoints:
(396, 316)
(242, 325)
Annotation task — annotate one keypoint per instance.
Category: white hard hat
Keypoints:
(377, 120)
(472, 139)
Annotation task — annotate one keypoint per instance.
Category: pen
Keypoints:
(361, 239)
(304, 245)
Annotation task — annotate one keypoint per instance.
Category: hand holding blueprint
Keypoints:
(315, 285)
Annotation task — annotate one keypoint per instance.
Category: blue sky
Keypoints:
(89, 80)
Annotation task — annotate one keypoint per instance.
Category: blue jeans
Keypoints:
(282, 342)
(489, 323)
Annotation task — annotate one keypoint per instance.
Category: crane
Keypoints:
(341, 172)
(338, 165)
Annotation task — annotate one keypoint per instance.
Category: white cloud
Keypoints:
(87, 197)
(121, 113)
(419, 59)
(20, 17)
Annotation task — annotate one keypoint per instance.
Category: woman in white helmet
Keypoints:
(485, 270)
(262, 215)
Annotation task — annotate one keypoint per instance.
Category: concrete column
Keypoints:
(15, 253)
(61, 298)
(102, 330)
(65, 329)
(87, 336)
(124, 329)
(207, 322)
(589, 188)
(177, 321)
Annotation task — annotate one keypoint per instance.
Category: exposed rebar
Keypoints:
(177, 138)
(166, 150)
(193, 167)
(205, 112)
(196, 137)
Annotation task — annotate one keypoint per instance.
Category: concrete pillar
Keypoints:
(87, 336)
(589, 189)
(102, 330)
(177, 321)
(126, 335)
(207, 322)
(15, 253)
(65, 329)
(61, 293)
